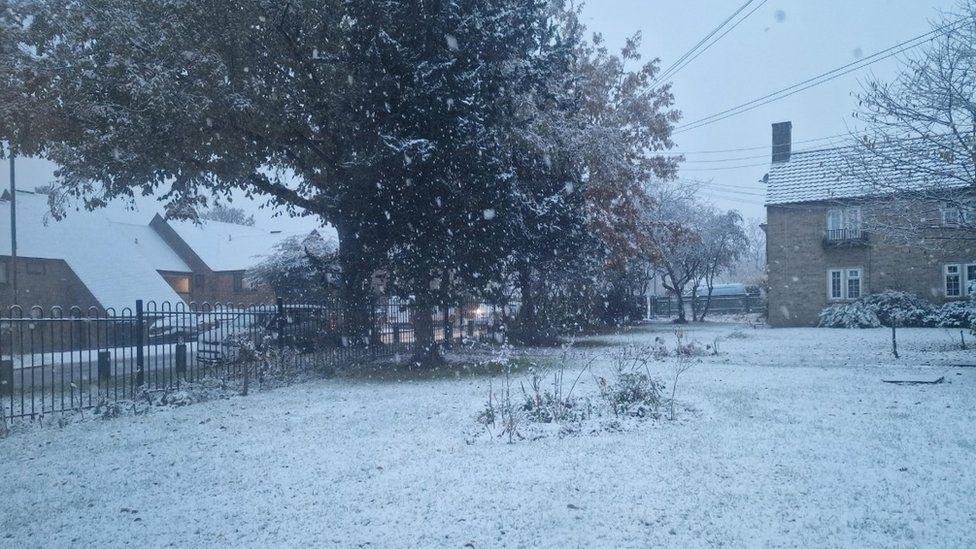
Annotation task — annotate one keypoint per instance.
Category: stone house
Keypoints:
(95, 260)
(821, 250)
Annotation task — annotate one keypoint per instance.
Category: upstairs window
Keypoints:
(954, 216)
(843, 223)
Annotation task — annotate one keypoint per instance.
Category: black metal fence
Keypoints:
(60, 360)
(720, 304)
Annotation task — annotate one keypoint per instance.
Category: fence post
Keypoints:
(6, 377)
(104, 366)
(140, 342)
(180, 358)
(280, 320)
(447, 327)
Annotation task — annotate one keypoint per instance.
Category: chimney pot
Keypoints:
(782, 141)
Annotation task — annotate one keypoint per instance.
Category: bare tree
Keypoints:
(670, 239)
(917, 152)
(723, 242)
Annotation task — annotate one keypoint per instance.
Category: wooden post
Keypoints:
(894, 340)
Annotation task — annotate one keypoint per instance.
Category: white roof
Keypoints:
(116, 261)
(226, 246)
(826, 174)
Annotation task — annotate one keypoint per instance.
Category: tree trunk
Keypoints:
(355, 292)
(528, 320)
(425, 352)
(679, 294)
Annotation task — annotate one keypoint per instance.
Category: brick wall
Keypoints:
(46, 283)
(798, 261)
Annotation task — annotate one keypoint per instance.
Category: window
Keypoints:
(198, 281)
(35, 268)
(954, 216)
(3, 272)
(960, 279)
(843, 223)
(853, 283)
(836, 285)
(950, 217)
(238, 282)
(953, 281)
(845, 283)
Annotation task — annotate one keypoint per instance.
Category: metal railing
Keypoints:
(720, 304)
(839, 235)
(70, 359)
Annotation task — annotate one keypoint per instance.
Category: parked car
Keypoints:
(306, 328)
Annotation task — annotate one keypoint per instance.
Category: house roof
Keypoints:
(117, 262)
(825, 174)
(226, 246)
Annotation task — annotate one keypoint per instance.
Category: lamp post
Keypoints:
(13, 226)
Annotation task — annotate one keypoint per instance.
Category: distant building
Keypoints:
(820, 251)
(90, 260)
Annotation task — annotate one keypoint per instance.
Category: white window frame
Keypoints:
(845, 278)
(958, 272)
(848, 220)
(860, 283)
(951, 217)
(966, 279)
(830, 284)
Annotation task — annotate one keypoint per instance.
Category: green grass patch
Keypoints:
(393, 371)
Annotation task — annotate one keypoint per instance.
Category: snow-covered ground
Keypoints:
(793, 441)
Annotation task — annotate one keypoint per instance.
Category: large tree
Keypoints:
(916, 148)
(379, 117)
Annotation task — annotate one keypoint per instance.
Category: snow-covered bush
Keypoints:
(955, 314)
(632, 393)
(631, 390)
(904, 308)
(849, 315)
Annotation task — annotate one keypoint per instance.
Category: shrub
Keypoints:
(849, 315)
(904, 308)
(632, 393)
(955, 314)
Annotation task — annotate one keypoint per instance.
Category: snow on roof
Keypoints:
(818, 175)
(117, 262)
(226, 246)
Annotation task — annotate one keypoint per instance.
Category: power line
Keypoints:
(713, 42)
(761, 147)
(817, 80)
(674, 67)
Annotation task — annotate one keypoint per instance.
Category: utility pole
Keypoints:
(13, 227)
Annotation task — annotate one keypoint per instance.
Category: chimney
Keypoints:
(782, 141)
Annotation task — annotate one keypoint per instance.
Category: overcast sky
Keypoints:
(780, 44)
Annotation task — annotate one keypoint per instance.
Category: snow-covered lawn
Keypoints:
(794, 441)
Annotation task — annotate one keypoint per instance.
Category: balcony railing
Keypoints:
(845, 237)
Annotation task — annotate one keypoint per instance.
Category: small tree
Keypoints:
(723, 242)
(227, 214)
(303, 268)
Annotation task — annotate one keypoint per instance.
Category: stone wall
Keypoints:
(798, 261)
